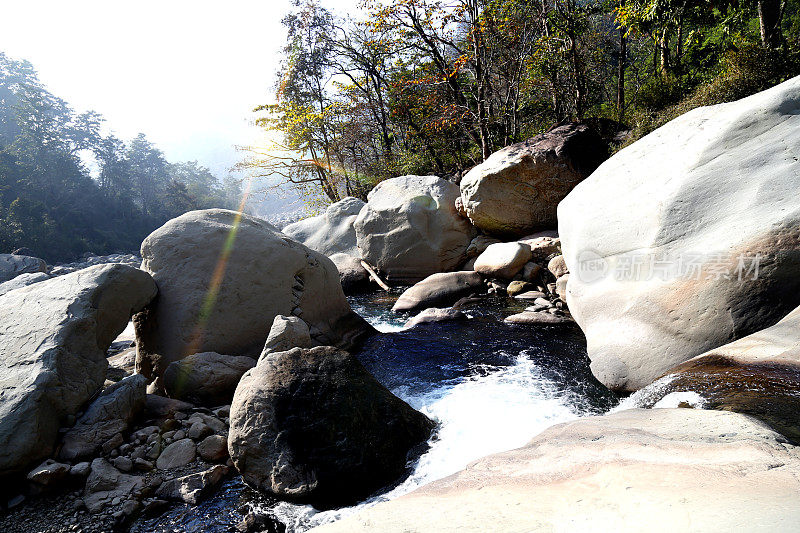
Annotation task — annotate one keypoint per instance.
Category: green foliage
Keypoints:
(433, 87)
(743, 72)
(48, 201)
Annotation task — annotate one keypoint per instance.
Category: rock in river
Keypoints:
(687, 239)
(445, 288)
(314, 425)
(332, 232)
(223, 278)
(53, 341)
(758, 375)
(410, 228)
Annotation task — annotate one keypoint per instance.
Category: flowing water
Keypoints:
(489, 385)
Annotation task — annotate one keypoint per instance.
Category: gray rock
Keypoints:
(122, 464)
(206, 378)
(410, 228)
(198, 431)
(557, 266)
(517, 189)
(661, 248)
(287, 333)
(53, 338)
(439, 290)
(49, 473)
(213, 449)
(12, 266)
(538, 318)
(641, 469)
(80, 470)
(193, 488)
(160, 407)
(106, 483)
(179, 453)
(262, 271)
(108, 415)
(479, 245)
(434, 314)
(561, 286)
(332, 232)
(315, 425)
(503, 260)
(351, 273)
(121, 365)
(519, 287)
(23, 280)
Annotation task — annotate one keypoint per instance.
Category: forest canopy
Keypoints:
(49, 201)
(435, 86)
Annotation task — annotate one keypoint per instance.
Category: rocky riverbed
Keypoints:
(435, 347)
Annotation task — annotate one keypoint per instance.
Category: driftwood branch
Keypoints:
(374, 276)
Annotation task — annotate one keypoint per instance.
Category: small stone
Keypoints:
(177, 454)
(49, 473)
(122, 463)
(143, 465)
(213, 449)
(179, 435)
(114, 442)
(192, 488)
(199, 431)
(531, 271)
(519, 287)
(16, 501)
(223, 412)
(80, 470)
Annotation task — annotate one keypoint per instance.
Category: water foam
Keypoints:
(495, 410)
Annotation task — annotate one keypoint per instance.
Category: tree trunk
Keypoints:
(769, 16)
(623, 58)
(663, 50)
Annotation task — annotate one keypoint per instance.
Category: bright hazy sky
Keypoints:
(185, 73)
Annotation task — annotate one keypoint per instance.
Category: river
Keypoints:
(489, 385)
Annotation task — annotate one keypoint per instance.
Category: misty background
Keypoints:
(187, 74)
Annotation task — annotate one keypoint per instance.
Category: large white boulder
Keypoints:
(410, 228)
(332, 232)
(223, 278)
(12, 265)
(638, 470)
(516, 190)
(53, 341)
(661, 241)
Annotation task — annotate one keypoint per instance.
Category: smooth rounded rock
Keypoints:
(503, 260)
(444, 288)
(332, 232)
(179, 453)
(206, 378)
(517, 189)
(687, 239)
(265, 274)
(410, 228)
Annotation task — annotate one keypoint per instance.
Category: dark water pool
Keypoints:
(491, 386)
